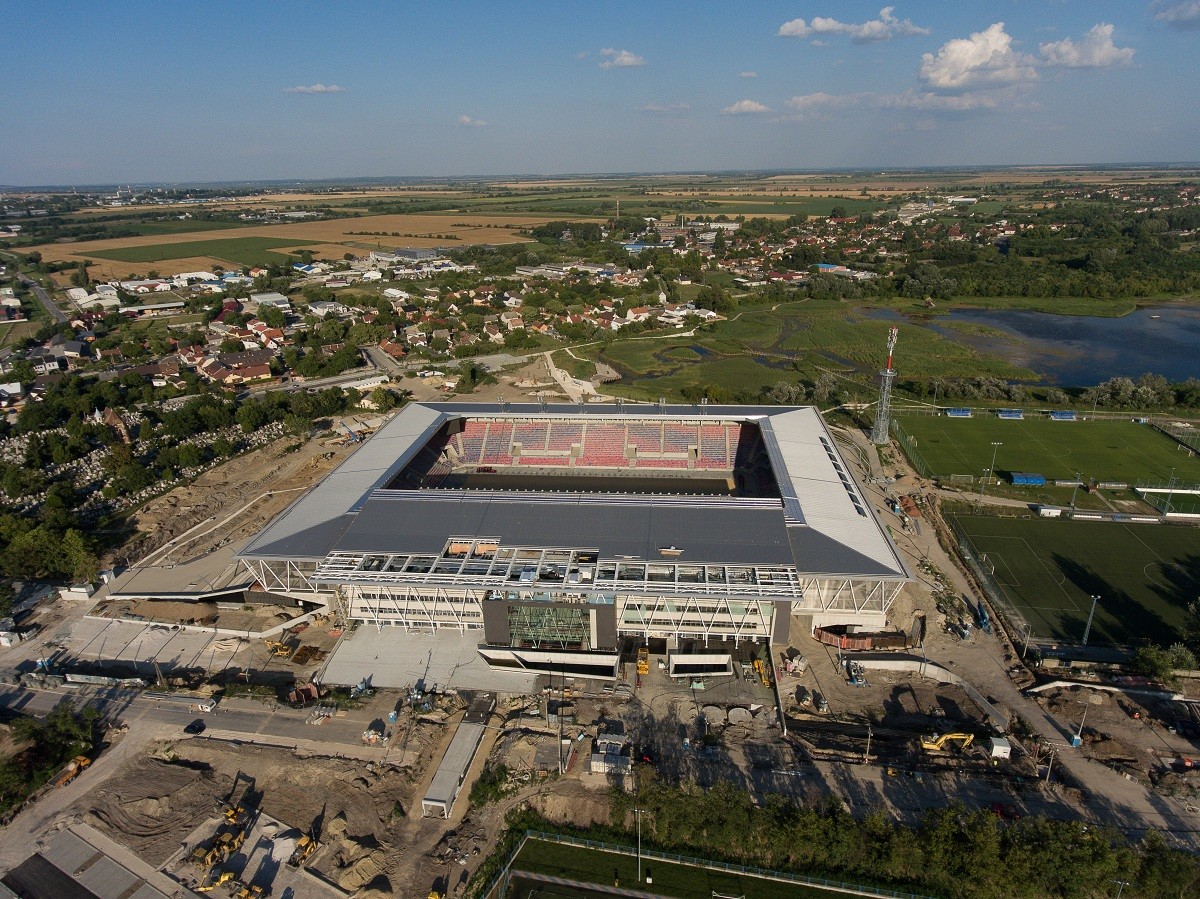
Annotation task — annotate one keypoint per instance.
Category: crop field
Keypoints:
(118, 257)
(761, 347)
(1049, 569)
(607, 869)
(1104, 450)
(240, 250)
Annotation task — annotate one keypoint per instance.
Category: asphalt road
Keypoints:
(248, 718)
(40, 292)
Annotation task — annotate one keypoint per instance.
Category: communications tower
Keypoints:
(883, 412)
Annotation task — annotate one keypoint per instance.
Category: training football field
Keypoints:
(606, 869)
(1145, 575)
(1102, 450)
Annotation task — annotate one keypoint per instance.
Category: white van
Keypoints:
(206, 705)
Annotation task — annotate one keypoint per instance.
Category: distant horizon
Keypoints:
(334, 181)
(109, 94)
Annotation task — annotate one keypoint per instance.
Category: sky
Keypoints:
(139, 92)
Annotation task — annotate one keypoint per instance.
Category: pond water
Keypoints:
(1082, 350)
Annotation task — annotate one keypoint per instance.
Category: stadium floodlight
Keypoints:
(1088, 629)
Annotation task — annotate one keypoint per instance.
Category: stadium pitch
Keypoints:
(1145, 575)
(1103, 450)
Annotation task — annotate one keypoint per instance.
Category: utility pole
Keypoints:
(1088, 630)
(1078, 741)
(1075, 489)
(1121, 884)
(867, 755)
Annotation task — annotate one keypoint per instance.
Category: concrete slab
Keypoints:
(391, 658)
(89, 639)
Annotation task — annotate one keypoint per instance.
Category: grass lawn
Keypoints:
(605, 869)
(1145, 575)
(1104, 450)
(238, 250)
(759, 347)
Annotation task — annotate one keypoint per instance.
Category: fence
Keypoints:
(501, 881)
(909, 445)
(1016, 623)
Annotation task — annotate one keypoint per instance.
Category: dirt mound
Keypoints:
(154, 804)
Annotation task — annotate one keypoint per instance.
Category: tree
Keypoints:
(272, 316)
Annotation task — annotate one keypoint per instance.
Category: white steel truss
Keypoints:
(284, 576)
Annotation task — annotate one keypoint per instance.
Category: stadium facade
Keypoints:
(559, 532)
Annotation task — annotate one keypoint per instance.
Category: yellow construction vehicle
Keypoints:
(935, 743)
(250, 891)
(305, 847)
(760, 669)
(213, 879)
(643, 660)
(277, 648)
(233, 814)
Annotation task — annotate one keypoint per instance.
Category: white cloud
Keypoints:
(886, 27)
(986, 57)
(745, 107)
(315, 89)
(1181, 14)
(821, 105)
(747, 74)
(467, 122)
(620, 59)
(663, 108)
(1095, 51)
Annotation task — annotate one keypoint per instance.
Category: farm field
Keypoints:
(1104, 450)
(1145, 575)
(603, 868)
(330, 238)
(760, 347)
(240, 250)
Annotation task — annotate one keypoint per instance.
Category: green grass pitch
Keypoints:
(1145, 575)
(1103, 450)
(240, 250)
(607, 869)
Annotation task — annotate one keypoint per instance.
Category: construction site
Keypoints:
(356, 732)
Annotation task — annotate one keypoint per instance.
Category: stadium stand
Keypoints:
(1011, 414)
(959, 413)
(1068, 415)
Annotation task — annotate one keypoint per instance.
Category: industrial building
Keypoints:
(559, 534)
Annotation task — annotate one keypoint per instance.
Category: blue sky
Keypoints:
(140, 91)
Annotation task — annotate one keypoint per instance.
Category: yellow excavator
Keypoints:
(212, 880)
(936, 743)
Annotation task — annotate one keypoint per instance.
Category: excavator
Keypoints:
(212, 880)
(935, 743)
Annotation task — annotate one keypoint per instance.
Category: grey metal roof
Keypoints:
(450, 773)
(421, 523)
(823, 525)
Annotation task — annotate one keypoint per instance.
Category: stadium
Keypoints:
(560, 534)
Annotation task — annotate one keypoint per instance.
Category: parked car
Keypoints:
(195, 728)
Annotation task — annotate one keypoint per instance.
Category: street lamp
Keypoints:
(991, 472)
(1078, 739)
(638, 813)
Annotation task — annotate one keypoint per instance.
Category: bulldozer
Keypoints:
(305, 847)
(935, 743)
(249, 891)
(278, 648)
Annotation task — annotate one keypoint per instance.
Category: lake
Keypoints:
(1080, 350)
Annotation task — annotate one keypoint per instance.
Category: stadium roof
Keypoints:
(821, 524)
